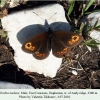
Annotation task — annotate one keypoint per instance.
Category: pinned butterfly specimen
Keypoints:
(60, 42)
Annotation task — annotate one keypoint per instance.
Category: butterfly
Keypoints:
(60, 42)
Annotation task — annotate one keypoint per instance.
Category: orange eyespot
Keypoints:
(65, 49)
(74, 39)
(62, 52)
(29, 46)
(43, 55)
(39, 54)
(58, 53)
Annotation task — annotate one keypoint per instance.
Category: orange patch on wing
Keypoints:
(62, 52)
(74, 39)
(39, 54)
(29, 46)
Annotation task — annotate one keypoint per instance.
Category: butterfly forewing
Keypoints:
(38, 46)
(68, 39)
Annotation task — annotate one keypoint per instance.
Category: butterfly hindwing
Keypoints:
(43, 51)
(58, 49)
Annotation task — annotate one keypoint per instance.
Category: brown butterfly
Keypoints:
(60, 42)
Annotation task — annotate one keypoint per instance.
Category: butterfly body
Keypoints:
(59, 41)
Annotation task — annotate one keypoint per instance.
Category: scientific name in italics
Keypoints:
(9, 92)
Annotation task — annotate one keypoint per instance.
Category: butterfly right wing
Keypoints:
(63, 41)
(38, 46)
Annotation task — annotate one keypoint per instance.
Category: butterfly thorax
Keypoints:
(49, 32)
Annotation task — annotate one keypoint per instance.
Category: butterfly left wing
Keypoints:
(38, 46)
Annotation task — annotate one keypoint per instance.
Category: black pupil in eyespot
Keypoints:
(75, 38)
(28, 45)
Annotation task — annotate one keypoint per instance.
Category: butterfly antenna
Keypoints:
(48, 19)
(52, 15)
(39, 16)
(57, 24)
